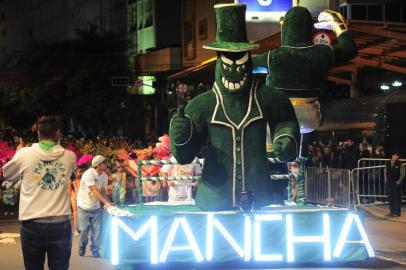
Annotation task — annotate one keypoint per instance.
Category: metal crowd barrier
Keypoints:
(187, 178)
(365, 184)
(161, 178)
(370, 181)
(330, 187)
(369, 184)
(368, 162)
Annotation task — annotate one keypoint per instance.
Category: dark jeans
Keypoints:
(394, 197)
(53, 239)
(148, 199)
(90, 220)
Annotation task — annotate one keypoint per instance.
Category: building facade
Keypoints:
(27, 22)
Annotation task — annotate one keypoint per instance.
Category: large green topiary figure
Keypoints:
(299, 67)
(231, 119)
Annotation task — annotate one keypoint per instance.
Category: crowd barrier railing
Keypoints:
(141, 178)
(365, 184)
(369, 184)
(370, 181)
(161, 178)
(326, 186)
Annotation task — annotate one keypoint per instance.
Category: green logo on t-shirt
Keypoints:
(49, 175)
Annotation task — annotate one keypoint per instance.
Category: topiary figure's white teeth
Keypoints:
(233, 85)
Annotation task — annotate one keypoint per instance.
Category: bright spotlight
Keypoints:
(385, 87)
(397, 83)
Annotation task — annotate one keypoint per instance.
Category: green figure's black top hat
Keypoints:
(231, 35)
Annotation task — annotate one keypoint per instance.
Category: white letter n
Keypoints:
(212, 222)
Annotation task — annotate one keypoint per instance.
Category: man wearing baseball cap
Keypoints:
(91, 193)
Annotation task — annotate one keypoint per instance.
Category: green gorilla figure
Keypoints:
(299, 67)
(231, 120)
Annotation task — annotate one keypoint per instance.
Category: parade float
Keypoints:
(232, 223)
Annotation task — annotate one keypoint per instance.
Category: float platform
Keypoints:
(186, 237)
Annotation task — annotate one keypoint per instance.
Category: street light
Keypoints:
(385, 87)
(397, 83)
(144, 85)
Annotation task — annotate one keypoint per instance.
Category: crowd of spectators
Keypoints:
(122, 153)
(343, 154)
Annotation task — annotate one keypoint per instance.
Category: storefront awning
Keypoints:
(204, 67)
(380, 44)
(358, 113)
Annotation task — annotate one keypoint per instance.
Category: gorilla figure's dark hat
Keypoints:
(231, 34)
(297, 28)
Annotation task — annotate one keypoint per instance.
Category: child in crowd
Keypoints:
(10, 196)
(119, 186)
(293, 173)
(82, 165)
(9, 189)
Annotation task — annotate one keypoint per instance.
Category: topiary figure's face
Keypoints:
(233, 71)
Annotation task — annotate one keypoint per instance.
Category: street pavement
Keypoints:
(11, 257)
(380, 211)
(388, 237)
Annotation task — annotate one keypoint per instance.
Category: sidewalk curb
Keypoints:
(390, 259)
(378, 215)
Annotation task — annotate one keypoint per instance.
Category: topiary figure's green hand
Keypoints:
(181, 127)
(284, 148)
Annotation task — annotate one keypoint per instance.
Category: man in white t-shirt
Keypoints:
(91, 193)
(44, 169)
(180, 190)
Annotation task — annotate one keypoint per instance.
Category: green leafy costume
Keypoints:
(231, 120)
(299, 67)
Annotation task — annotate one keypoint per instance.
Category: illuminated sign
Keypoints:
(322, 38)
(260, 70)
(249, 246)
(266, 10)
(146, 85)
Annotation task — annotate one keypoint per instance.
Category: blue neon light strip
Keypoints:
(212, 237)
(260, 70)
